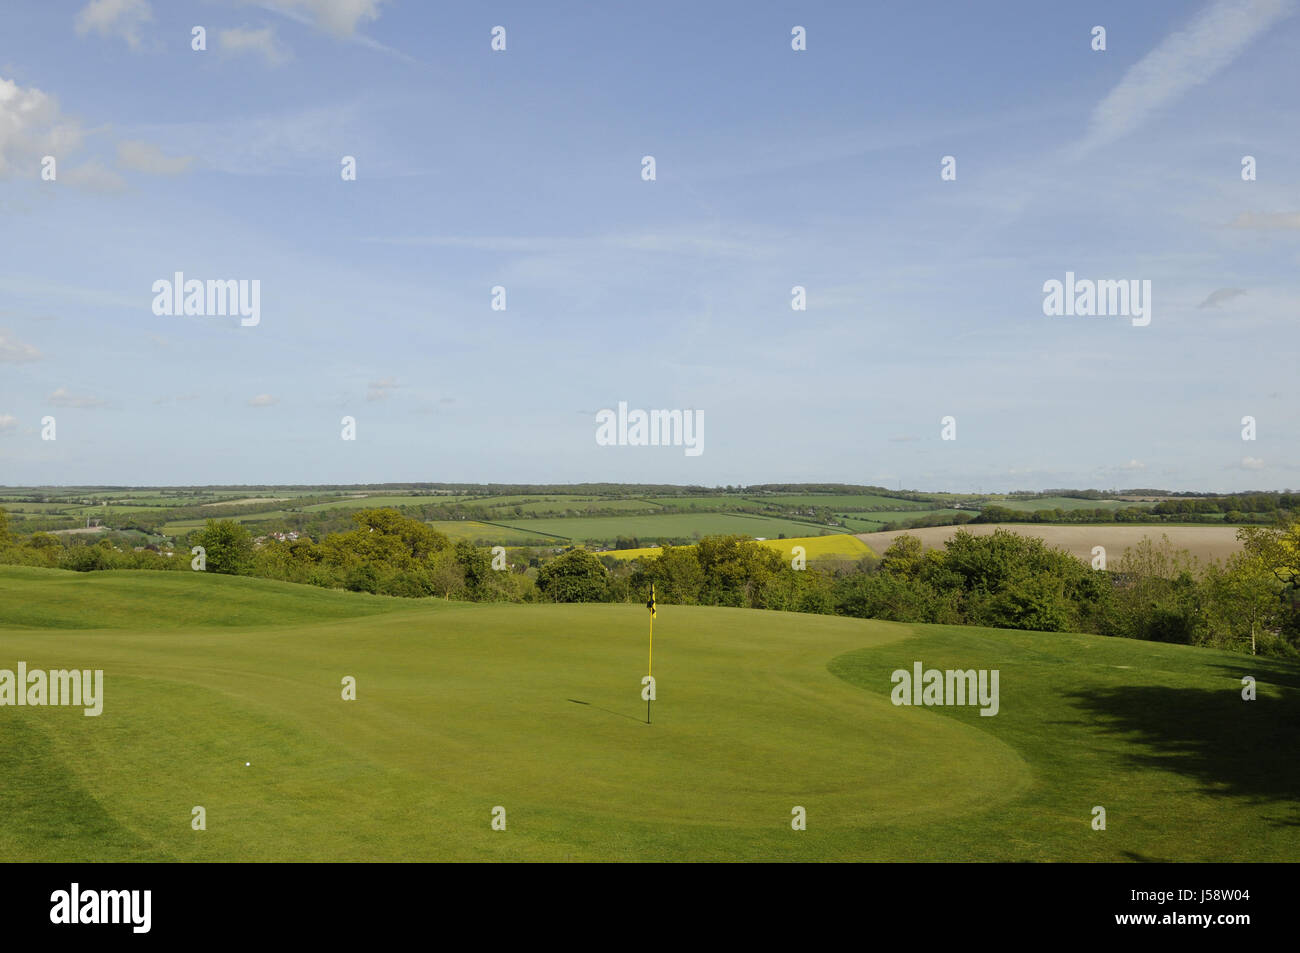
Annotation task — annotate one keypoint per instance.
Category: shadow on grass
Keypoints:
(1143, 858)
(1242, 748)
(1275, 671)
(607, 711)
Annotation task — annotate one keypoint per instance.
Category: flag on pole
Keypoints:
(650, 659)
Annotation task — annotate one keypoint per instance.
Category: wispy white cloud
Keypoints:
(686, 242)
(94, 176)
(33, 126)
(263, 400)
(27, 286)
(1267, 220)
(122, 18)
(148, 158)
(64, 398)
(1183, 60)
(13, 351)
(262, 42)
(264, 145)
(339, 18)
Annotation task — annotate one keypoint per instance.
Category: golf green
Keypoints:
(226, 693)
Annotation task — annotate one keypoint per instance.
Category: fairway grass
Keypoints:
(536, 708)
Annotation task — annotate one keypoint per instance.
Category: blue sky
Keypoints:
(775, 168)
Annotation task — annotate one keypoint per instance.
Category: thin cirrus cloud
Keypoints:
(263, 400)
(1220, 295)
(694, 243)
(64, 398)
(1181, 61)
(239, 41)
(339, 17)
(1267, 220)
(95, 177)
(115, 18)
(149, 159)
(13, 351)
(263, 145)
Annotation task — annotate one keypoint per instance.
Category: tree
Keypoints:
(577, 576)
(903, 556)
(228, 547)
(676, 575)
(446, 574)
(385, 539)
(361, 578)
(86, 558)
(736, 570)
(1158, 597)
(1243, 601)
(477, 566)
(1277, 548)
(1033, 601)
(883, 596)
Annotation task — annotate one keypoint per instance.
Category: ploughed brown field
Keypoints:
(1204, 542)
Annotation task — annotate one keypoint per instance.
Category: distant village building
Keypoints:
(288, 537)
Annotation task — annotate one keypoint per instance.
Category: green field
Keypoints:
(369, 502)
(181, 527)
(554, 501)
(12, 508)
(606, 529)
(1066, 503)
(697, 502)
(579, 505)
(843, 502)
(536, 708)
(491, 534)
(594, 518)
(874, 522)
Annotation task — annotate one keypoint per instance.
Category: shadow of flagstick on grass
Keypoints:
(606, 710)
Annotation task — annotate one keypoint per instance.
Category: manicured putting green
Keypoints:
(537, 708)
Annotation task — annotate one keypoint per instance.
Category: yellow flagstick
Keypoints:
(650, 662)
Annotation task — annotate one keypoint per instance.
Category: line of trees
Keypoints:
(1250, 602)
(1158, 513)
